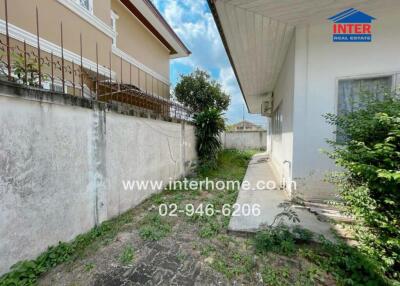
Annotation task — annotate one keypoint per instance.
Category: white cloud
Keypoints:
(195, 25)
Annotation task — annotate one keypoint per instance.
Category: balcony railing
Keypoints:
(31, 66)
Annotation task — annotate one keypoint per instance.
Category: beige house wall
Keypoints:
(21, 13)
(101, 9)
(136, 40)
(133, 39)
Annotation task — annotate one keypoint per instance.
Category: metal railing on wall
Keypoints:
(31, 66)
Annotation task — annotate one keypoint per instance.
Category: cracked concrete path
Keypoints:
(271, 202)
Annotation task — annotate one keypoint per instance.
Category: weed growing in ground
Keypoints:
(273, 276)
(285, 276)
(277, 239)
(89, 266)
(234, 264)
(210, 229)
(207, 250)
(127, 255)
(153, 227)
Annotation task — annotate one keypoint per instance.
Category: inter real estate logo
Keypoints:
(352, 25)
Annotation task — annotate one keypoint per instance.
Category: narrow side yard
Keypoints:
(142, 248)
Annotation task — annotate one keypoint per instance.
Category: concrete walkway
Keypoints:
(270, 202)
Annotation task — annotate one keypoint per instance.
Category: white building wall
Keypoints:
(319, 64)
(282, 145)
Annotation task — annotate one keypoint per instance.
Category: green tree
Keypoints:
(199, 92)
(205, 98)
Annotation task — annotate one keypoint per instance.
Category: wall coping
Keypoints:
(16, 90)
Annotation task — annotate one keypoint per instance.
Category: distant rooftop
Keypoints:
(246, 125)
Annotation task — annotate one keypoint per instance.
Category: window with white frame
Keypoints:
(87, 4)
(114, 18)
(353, 94)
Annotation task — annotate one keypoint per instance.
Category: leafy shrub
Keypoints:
(370, 183)
(209, 124)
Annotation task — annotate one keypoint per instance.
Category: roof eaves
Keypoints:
(166, 25)
(135, 11)
(213, 8)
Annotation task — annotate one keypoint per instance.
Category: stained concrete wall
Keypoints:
(143, 149)
(243, 140)
(62, 162)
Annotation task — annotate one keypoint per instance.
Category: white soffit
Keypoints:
(300, 12)
(258, 46)
(258, 34)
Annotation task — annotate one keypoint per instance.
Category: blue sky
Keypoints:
(193, 22)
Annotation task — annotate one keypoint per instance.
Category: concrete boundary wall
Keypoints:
(62, 163)
(243, 140)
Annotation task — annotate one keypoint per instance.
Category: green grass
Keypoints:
(231, 165)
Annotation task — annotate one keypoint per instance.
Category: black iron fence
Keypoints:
(30, 65)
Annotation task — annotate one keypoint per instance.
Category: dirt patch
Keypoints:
(173, 260)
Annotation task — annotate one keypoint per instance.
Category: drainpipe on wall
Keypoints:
(285, 179)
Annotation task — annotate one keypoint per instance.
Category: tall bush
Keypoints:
(369, 186)
(209, 125)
